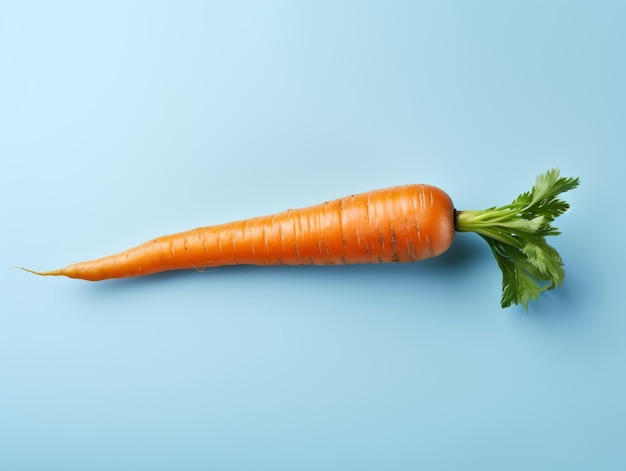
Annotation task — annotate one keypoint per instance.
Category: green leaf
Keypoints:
(516, 235)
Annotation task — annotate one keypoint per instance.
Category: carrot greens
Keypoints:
(516, 235)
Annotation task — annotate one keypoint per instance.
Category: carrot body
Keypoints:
(400, 224)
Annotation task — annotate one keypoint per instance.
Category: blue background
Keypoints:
(121, 121)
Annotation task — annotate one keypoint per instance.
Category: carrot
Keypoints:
(399, 224)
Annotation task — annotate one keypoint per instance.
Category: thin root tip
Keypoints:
(40, 273)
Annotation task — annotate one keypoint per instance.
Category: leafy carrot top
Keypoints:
(516, 234)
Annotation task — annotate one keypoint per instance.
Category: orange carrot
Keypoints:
(399, 224)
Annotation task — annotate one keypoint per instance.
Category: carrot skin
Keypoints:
(399, 224)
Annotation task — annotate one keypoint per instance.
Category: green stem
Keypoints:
(516, 235)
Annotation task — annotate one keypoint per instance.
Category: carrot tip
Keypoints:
(40, 273)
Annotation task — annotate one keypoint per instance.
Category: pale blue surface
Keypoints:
(127, 120)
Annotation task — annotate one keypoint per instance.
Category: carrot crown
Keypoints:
(516, 235)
